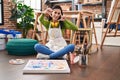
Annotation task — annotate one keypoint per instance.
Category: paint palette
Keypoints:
(16, 61)
(46, 66)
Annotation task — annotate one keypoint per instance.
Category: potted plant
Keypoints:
(24, 15)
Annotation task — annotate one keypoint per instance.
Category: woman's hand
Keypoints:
(48, 12)
(62, 18)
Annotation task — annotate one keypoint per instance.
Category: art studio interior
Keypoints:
(59, 39)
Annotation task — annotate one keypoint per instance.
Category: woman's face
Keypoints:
(56, 14)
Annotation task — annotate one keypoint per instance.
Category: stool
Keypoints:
(78, 34)
(21, 47)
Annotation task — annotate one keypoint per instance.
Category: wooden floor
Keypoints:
(103, 65)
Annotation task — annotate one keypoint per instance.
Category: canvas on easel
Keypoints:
(113, 18)
(114, 12)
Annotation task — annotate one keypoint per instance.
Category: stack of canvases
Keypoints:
(2, 41)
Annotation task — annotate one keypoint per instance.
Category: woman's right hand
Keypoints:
(48, 12)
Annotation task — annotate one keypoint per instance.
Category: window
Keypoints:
(1, 12)
(35, 4)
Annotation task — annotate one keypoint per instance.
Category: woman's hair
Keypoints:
(57, 7)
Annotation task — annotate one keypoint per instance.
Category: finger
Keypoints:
(61, 20)
(63, 17)
(50, 14)
(50, 10)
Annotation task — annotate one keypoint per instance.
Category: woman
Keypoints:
(55, 24)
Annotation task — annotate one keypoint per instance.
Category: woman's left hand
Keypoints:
(62, 18)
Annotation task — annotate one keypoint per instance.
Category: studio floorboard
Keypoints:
(103, 65)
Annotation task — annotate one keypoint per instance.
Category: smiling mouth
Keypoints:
(55, 17)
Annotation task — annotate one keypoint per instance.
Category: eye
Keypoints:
(55, 12)
(58, 13)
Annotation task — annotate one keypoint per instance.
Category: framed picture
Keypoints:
(1, 12)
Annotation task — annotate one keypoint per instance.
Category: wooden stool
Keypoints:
(87, 28)
(85, 33)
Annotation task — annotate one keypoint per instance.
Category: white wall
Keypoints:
(112, 41)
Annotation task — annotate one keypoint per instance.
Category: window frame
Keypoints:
(1, 13)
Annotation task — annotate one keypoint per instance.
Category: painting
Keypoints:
(46, 66)
(114, 11)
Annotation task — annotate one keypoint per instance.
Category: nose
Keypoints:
(56, 15)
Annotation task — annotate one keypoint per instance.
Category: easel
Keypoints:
(113, 17)
(87, 28)
(42, 35)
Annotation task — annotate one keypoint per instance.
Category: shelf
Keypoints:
(92, 4)
(62, 1)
